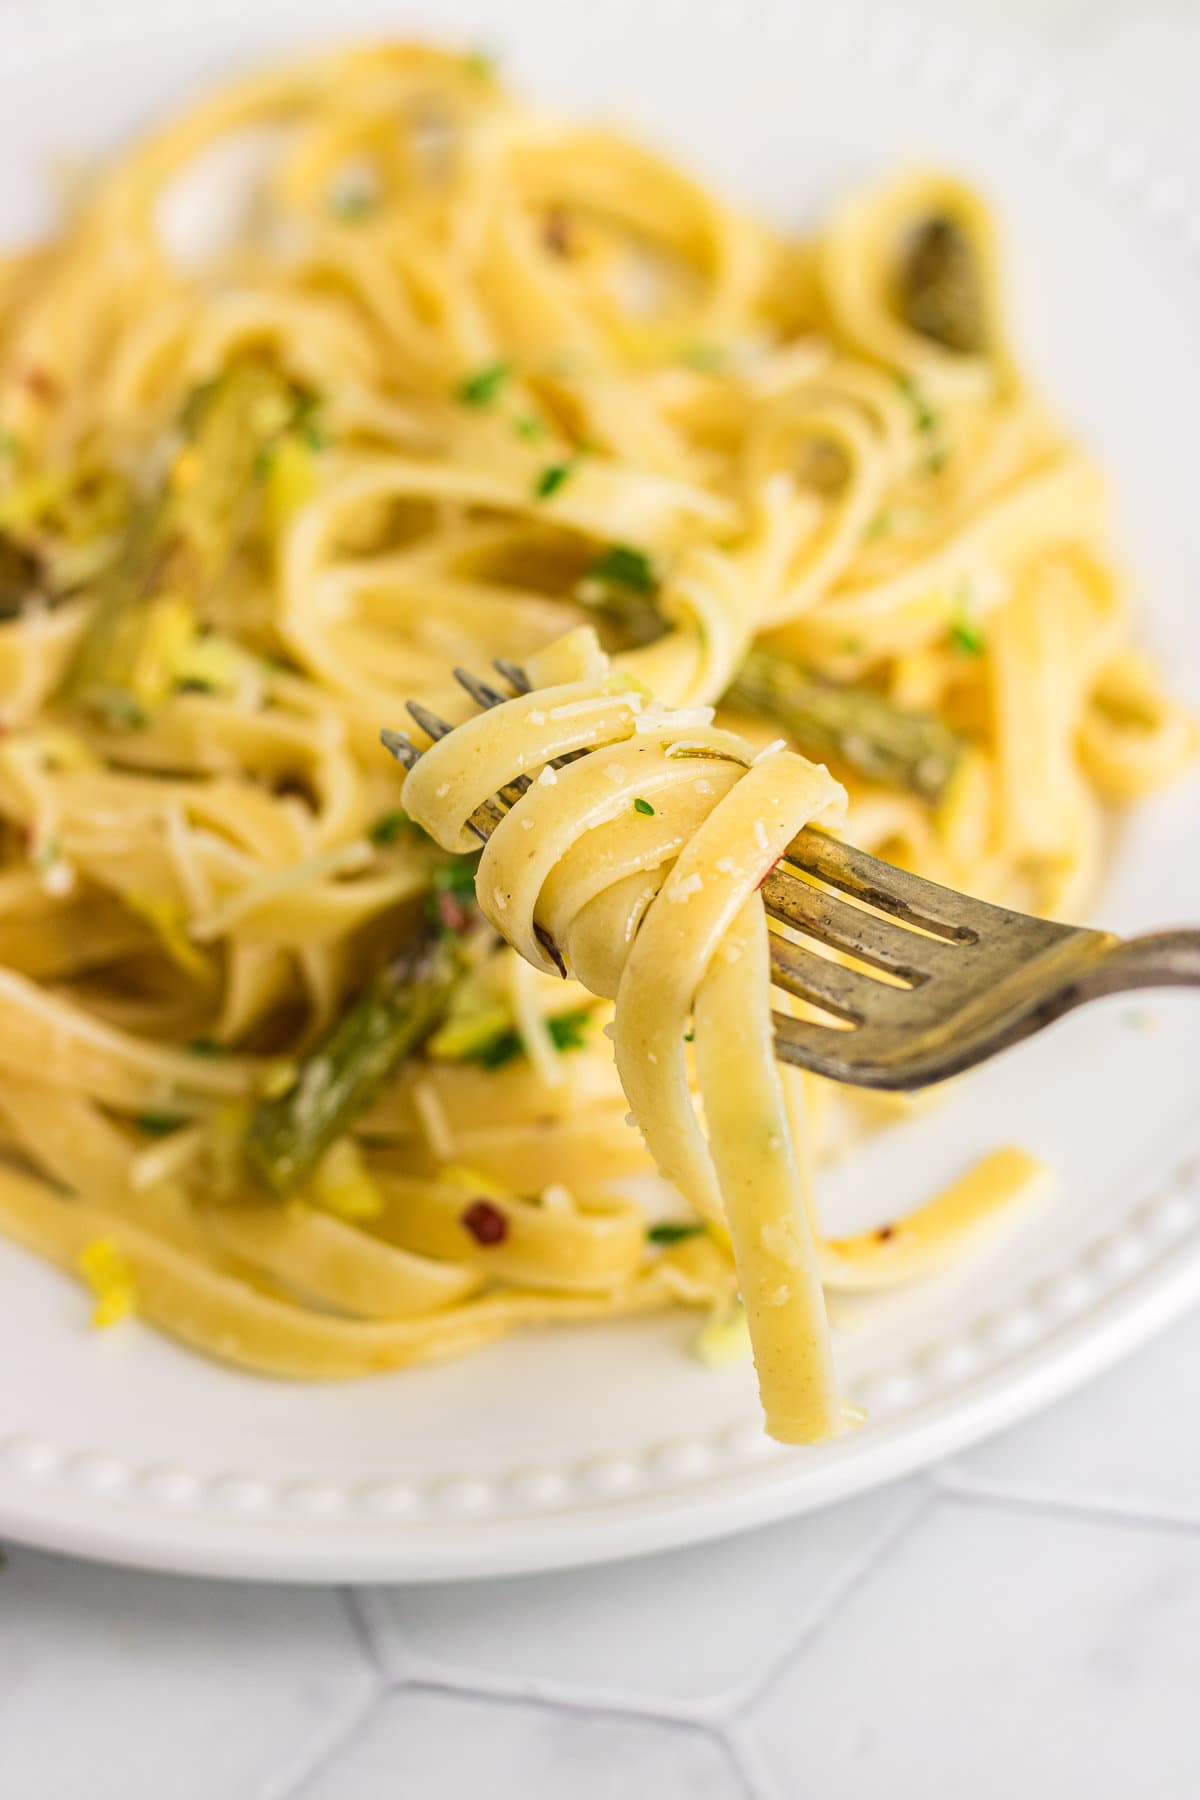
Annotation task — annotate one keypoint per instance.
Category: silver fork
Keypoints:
(965, 979)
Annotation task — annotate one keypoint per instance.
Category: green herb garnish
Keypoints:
(624, 567)
(205, 1046)
(530, 427)
(674, 1231)
(480, 63)
(644, 807)
(966, 637)
(553, 477)
(483, 388)
(157, 1124)
(924, 417)
(568, 1031)
(392, 825)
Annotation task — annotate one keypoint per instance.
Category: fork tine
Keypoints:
(427, 721)
(513, 673)
(484, 696)
(846, 993)
(835, 922)
(401, 747)
(909, 897)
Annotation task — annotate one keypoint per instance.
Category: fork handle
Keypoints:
(1160, 959)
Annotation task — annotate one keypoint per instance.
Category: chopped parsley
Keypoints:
(392, 825)
(457, 878)
(644, 807)
(157, 1124)
(568, 1031)
(123, 710)
(924, 417)
(965, 634)
(689, 1036)
(551, 479)
(966, 637)
(674, 1231)
(624, 567)
(205, 1046)
(483, 388)
(308, 421)
(530, 427)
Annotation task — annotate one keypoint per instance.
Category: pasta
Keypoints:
(441, 380)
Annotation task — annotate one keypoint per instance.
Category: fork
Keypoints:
(962, 979)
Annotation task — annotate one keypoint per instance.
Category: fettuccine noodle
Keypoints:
(430, 379)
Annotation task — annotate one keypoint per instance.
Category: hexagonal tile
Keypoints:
(684, 1631)
(122, 1686)
(444, 1746)
(1121, 1443)
(995, 1653)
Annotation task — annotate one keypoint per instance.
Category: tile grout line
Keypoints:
(558, 1703)
(737, 1704)
(1059, 1506)
(288, 1781)
(353, 1602)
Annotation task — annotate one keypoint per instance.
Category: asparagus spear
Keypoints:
(181, 538)
(853, 724)
(21, 576)
(341, 1077)
(940, 294)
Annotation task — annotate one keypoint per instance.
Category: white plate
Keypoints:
(574, 1447)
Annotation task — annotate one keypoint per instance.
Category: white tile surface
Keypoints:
(446, 1747)
(710, 1622)
(118, 1686)
(1020, 1640)
(996, 1654)
(1127, 1443)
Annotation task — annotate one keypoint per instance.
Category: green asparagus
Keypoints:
(853, 724)
(21, 576)
(940, 294)
(341, 1077)
(182, 537)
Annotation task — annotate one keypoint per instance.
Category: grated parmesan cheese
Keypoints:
(691, 884)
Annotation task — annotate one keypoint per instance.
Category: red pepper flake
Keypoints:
(41, 384)
(452, 915)
(485, 1222)
(885, 1233)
